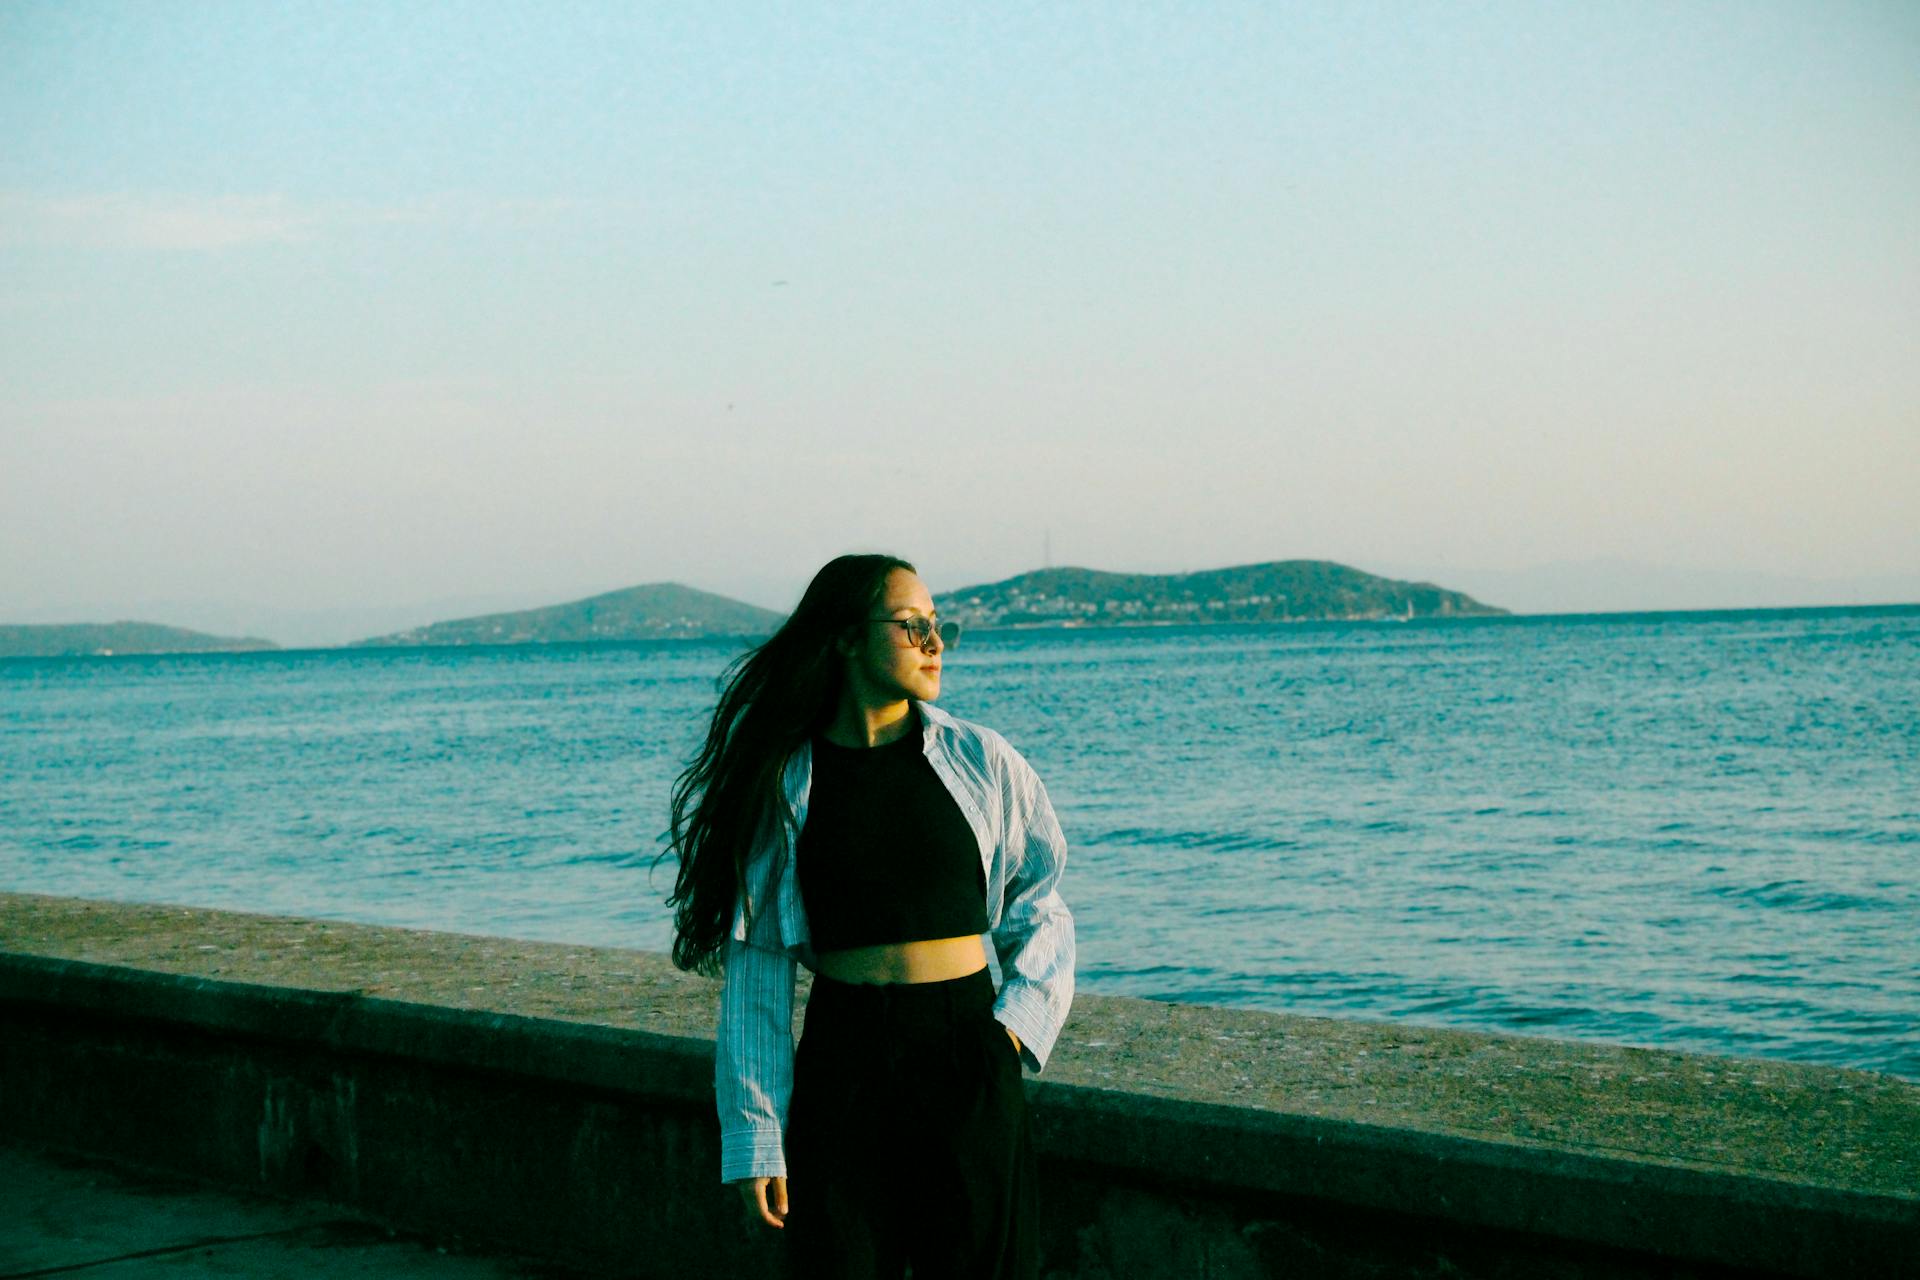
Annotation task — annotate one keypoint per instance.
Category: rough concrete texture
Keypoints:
(1284, 1131)
(65, 1215)
(1813, 1125)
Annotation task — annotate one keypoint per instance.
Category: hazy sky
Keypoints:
(316, 313)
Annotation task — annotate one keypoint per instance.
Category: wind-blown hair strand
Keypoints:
(772, 697)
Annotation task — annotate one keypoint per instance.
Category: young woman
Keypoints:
(837, 819)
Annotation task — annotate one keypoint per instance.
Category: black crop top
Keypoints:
(885, 854)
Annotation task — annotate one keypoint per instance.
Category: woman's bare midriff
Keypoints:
(929, 960)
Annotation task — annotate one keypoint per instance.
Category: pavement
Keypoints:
(65, 1216)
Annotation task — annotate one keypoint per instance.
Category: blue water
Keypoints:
(1696, 831)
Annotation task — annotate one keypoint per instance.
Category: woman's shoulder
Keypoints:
(939, 720)
(983, 742)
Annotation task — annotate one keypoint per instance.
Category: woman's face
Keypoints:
(883, 664)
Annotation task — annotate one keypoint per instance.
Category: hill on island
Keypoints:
(1274, 591)
(104, 639)
(654, 611)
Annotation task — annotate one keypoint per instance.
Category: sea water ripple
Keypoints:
(1692, 831)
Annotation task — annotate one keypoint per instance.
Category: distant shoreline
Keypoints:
(1070, 625)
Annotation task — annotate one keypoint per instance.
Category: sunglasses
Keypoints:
(920, 629)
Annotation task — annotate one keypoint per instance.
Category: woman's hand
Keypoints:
(754, 1193)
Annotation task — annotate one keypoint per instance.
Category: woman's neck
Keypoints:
(859, 726)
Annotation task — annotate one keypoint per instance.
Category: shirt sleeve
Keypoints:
(1034, 939)
(753, 1061)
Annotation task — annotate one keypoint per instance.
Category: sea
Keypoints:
(1694, 831)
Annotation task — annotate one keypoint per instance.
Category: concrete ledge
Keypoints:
(600, 1057)
(558, 1101)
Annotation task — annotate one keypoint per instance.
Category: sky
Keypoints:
(322, 320)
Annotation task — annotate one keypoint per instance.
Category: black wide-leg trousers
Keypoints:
(907, 1137)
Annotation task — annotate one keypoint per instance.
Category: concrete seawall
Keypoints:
(557, 1101)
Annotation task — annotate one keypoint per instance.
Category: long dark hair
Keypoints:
(771, 698)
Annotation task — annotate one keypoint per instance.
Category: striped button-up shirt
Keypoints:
(1023, 853)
